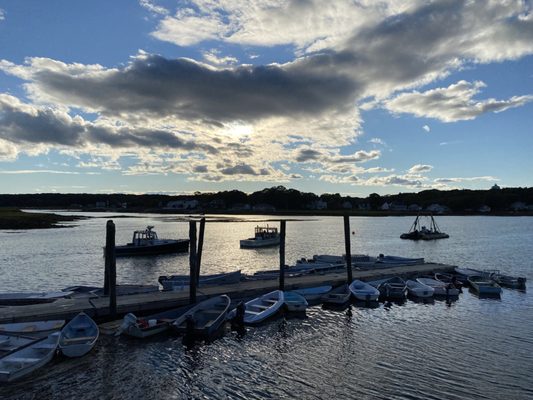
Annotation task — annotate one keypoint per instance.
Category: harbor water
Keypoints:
(468, 349)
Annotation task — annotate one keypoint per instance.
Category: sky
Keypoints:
(350, 97)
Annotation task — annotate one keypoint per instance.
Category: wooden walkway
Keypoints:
(145, 303)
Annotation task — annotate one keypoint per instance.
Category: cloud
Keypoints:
(213, 58)
(377, 141)
(467, 179)
(305, 155)
(2, 15)
(426, 128)
(419, 168)
(454, 103)
(153, 8)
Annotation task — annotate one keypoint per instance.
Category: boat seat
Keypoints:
(253, 312)
(76, 339)
(44, 346)
(261, 307)
(26, 360)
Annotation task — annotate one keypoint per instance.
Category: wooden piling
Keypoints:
(200, 248)
(282, 255)
(110, 278)
(192, 262)
(348, 248)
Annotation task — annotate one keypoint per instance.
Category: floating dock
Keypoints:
(145, 303)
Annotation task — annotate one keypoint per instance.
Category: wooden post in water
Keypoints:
(282, 255)
(192, 262)
(110, 279)
(200, 248)
(348, 248)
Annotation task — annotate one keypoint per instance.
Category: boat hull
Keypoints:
(257, 243)
(208, 316)
(179, 282)
(363, 291)
(79, 336)
(166, 247)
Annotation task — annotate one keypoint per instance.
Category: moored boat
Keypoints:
(146, 242)
(440, 288)
(484, 286)
(12, 342)
(261, 308)
(265, 236)
(390, 288)
(79, 336)
(363, 291)
(295, 302)
(180, 282)
(22, 362)
(205, 318)
(26, 298)
(418, 232)
(37, 327)
(314, 293)
(508, 281)
(337, 296)
(419, 289)
(448, 278)
(143, 327)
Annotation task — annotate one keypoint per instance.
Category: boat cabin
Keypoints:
(265, 232)
(140, 237)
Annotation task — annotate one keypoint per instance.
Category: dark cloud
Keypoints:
(305, 155)
(242, 169)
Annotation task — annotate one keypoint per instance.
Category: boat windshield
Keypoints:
(145, 235)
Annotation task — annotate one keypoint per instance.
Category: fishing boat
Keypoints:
(295, 302)
(180, 282)
(27, 359)
(440, 288)
(314, 293)
(37, 327)
(79, 336)
(265, 236)
(420, 232)
(26, 298)
(146, 242)
(205, 318)
(261, 308)
(338, 296)
(419, 289)
(363, 291)
(143, 327)
(484, 286)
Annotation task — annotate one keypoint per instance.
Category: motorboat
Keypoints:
(79, 336)
(440, 288)
(295, 302)
(419, 289)
(363, 291)
(146, 242)
(205, 318)
(262, 307)
(180, 282)
(421, 232)
(143, 327)
(265, 236)
(338, 296)
(484, 286)
(508, 281)
(314, 293)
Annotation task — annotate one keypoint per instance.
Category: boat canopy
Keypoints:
(147, 234)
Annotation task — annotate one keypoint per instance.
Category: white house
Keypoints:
(184, 204)
(437, 208)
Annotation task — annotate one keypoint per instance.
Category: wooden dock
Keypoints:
(146, 303)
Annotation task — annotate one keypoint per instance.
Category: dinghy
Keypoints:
(440, 288)
(484, 286)
(314, 293)
(37, 327)
(338, 296)
(390, 288)
(22, 362)
(150, 325)
(79, 336)
(261, 308)
(25, 298)
(295, 302)
(508, 281)
(205, 318)
(180, 282)
(448, 278)
(363, 291)
(420, 290)
(12, 342)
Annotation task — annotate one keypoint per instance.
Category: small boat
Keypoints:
(38, 327)
(295, 302)
(265, 236)
(79, 336)
(180, 282)
(22, 362)
(314, 293)
(205, 318)
(146, 242)
(26, 298)
(440, 288)
(418, 289)
(12, 342)
(418, 232)
(261, 308)
(382, 259)
(484, 286)
(390, 288)
(363, 291)
(449, 278)
(338, 296)
(508, 281)
(150, 325)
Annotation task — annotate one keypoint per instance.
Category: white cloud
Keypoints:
(213, 57)
(426, 128)
(454, 103)
(466, 179)
(377, 141)
(2, 15)
(153, 8)
(419, 168)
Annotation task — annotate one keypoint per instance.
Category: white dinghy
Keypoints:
(79, 336)
(20, 363)
(440, 288)
(418, 289)
(338, 296)
(207, 316)
(260, 308)
(314, 293)
(37, 327)
(363, 291)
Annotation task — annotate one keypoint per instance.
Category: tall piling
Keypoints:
(200, 248)
(348, 248)
(282, 255)
(192, 262)
(110, 278)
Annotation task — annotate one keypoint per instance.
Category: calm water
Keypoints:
(473, 348)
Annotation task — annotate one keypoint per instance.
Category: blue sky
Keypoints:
(206, 95)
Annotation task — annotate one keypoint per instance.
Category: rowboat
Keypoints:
(440, 288)
(464, 273)
(180, 282)
(25, 298)
(205, 318)
(38, 327)
(314, 293)
(338, 296)
(261, 308)
(150, 325)
(11, 342)
(22, 362)
(509, 281)
(484, 286)
(448, 278)
(79, 336)
(363, 291)
(295, 302)
(418, 289)
(390, 288)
